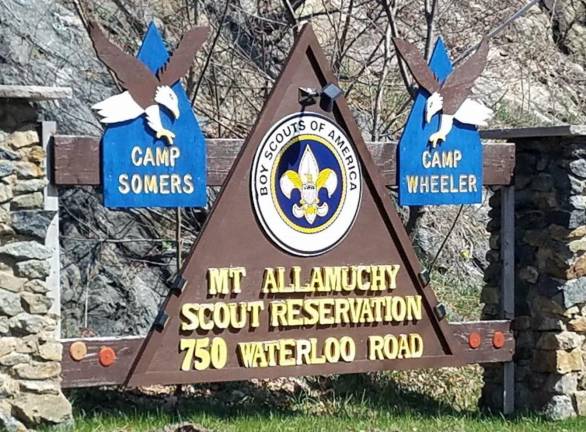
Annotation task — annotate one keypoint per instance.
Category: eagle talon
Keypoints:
(168, 135)
(435, 138)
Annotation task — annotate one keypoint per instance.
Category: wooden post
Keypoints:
(508, 285)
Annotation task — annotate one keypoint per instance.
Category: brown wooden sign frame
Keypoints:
(77, 160)
(76, 163)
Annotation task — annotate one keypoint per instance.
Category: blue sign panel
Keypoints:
(157, 158)
(449, 170)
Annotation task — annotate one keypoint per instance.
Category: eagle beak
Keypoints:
(428, 117)
(176, 113)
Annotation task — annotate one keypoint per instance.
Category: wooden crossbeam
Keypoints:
(77, 161)
(88, 372)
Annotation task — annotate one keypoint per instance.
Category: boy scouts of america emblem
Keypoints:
(306, 184)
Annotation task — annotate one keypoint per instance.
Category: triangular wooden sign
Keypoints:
(303, 266)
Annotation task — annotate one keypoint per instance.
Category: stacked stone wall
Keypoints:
(30, 353)
(550, 269)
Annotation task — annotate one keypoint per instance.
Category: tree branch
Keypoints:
(390, 8)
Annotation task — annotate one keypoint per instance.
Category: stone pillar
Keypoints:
(30, 352)
(550, 267)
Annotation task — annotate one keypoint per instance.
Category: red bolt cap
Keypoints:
(107, 356)
(498, 339)
(474, 340)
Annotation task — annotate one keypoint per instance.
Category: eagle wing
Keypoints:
(458, 85)
(133, 75)
(182, 58)
(417, 65)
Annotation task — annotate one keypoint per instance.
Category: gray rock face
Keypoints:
(25, 323)
(25, 250)
(44, 408)
(6, 167)
(10, 424)
(33, 269)
(52, 35)
(562, 384)
(118, 285)
(32, 223)
(575, 291)
(9, 303)
(8, 155)
(569, 19)
(559, 408)
(578, 167)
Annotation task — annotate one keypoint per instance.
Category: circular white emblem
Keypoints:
(306, 184)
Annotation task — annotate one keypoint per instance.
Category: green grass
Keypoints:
(350, 403)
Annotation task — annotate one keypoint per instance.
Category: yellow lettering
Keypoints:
(414, 309)
(236, 274)
(317, 283)
(347, 348)
(247, 353)
(375, 347)
(286, 352)
(255, 308)
(361, 284)
(269, 284)
(348, 284)
(189, 317)
(404, 351)
(415, 345)
(391, 271)
(303, 351)
(278, 312)
(398, 308)
(218, 281)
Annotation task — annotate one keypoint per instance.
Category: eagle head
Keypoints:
(434, 104)
(166, 96)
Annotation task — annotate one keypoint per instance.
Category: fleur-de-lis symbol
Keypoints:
(309, 180)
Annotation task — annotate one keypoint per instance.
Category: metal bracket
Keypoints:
(178, 284)
(161, 321)
(307, 96)
(440, 311)
(424, 277)
(327, 96)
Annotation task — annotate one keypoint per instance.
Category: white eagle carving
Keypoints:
(451, 96)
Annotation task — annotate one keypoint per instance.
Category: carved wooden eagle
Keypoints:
(145, 91)
(451, 96)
